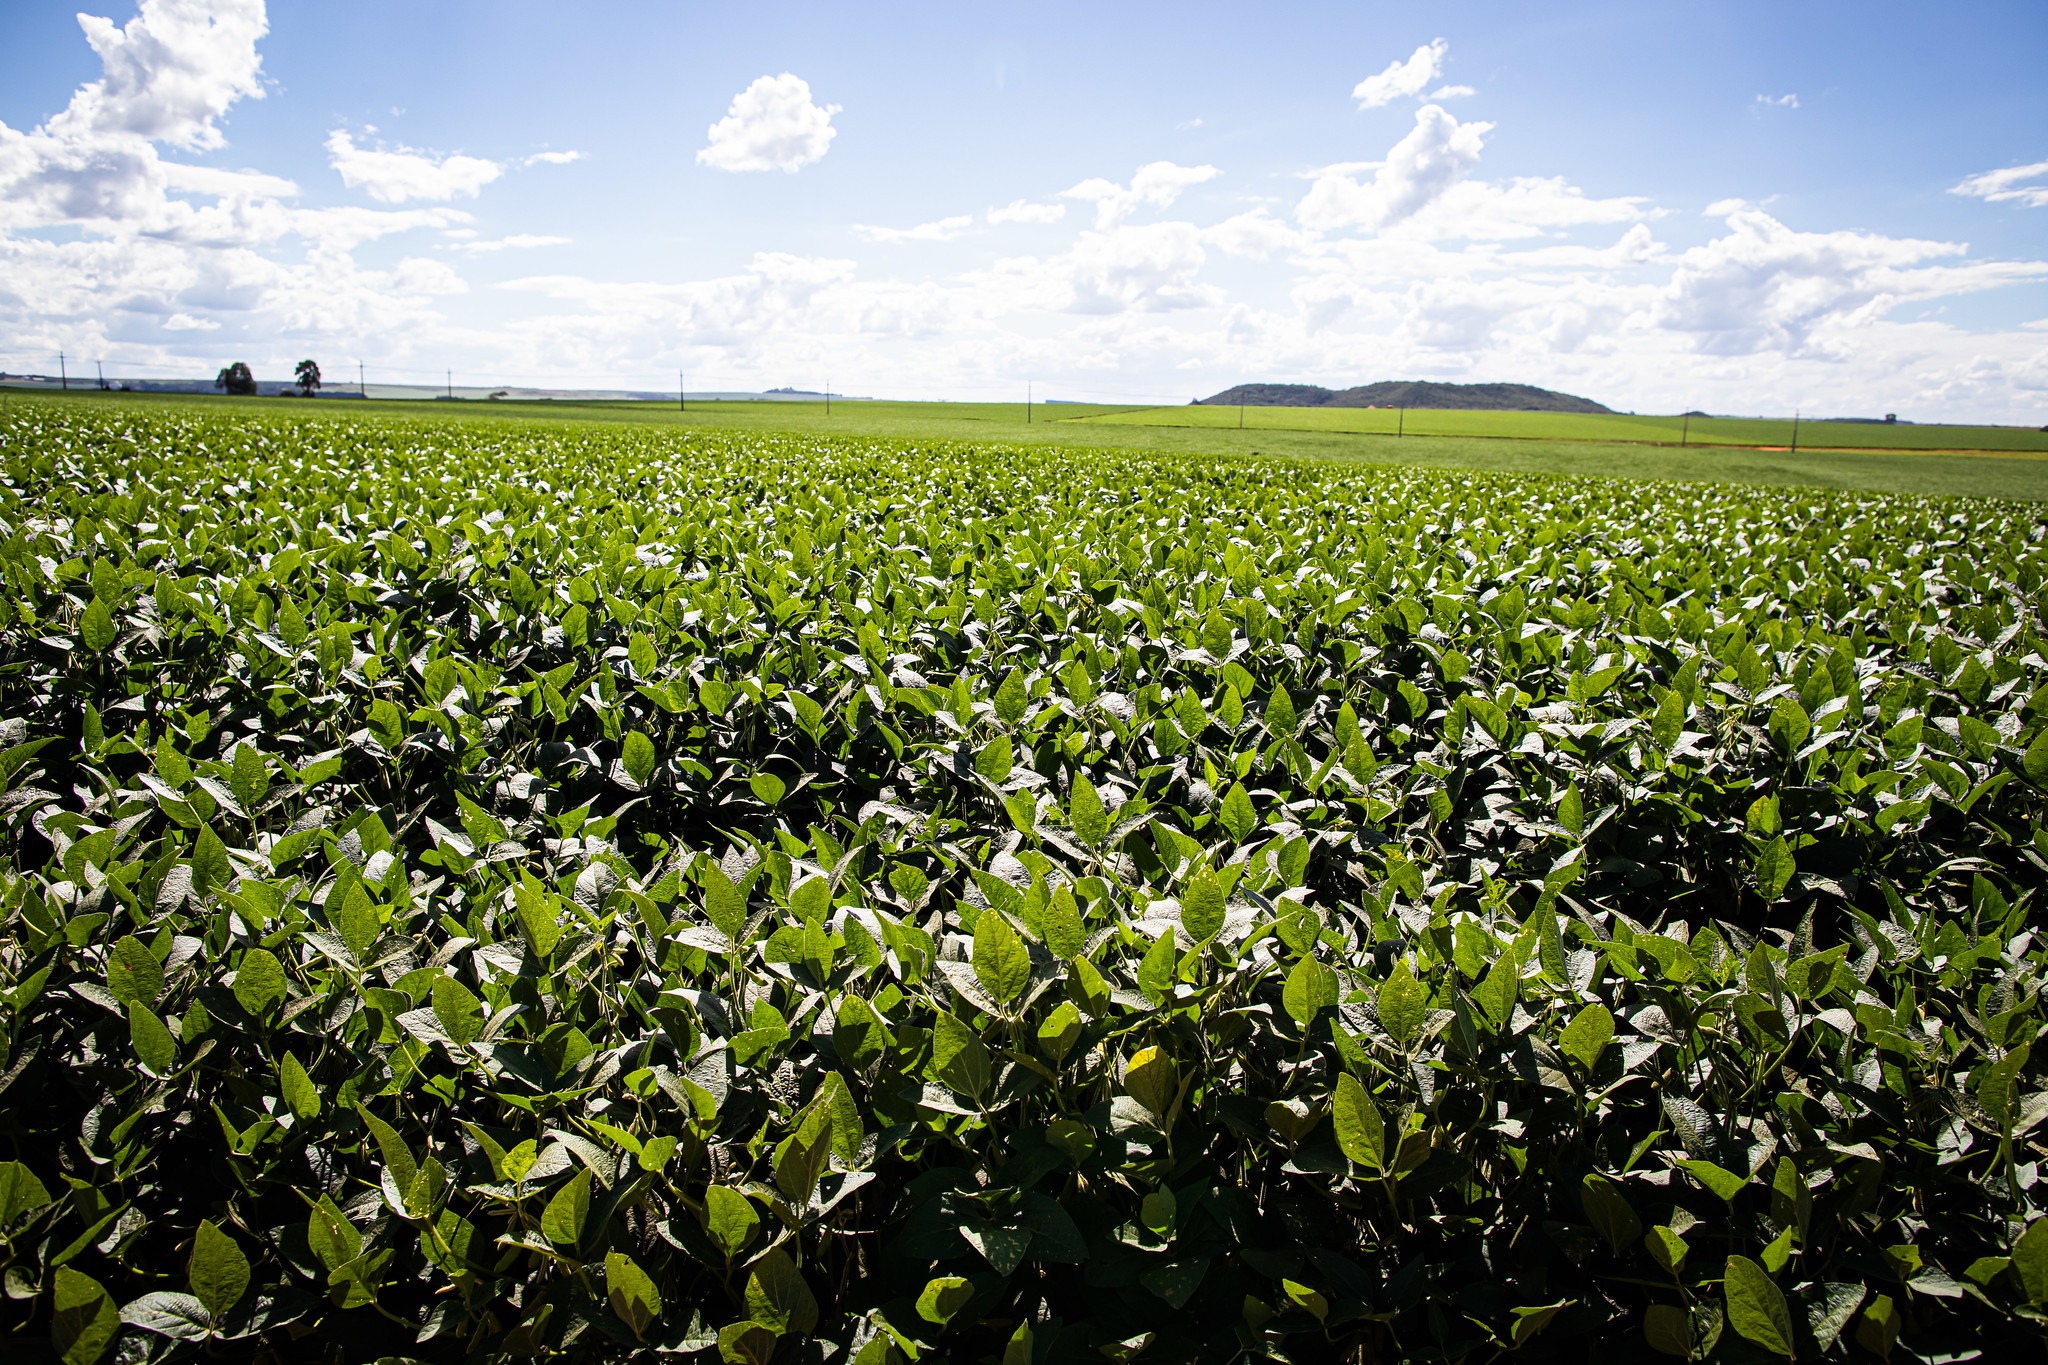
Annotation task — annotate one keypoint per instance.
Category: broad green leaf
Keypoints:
(1667, 1329)
(1001, 961)
(96, 629)
(1757, 1308)
(1360, 1131)
(2030, 1262)
(134, 976)
(959, 1058)
(1060, 925)
(20, 1192)
(151, 1040)
(1059, 1032)
(249, 777)
(218, 1270)
(1608, 1210)
(1590, 1030)
(942, 1298)
(637, 754)
(83, 1320)
(334, 1239)
(1202, 906)
(259, 981)
(1667, 1248)
(301, 1096)
(398, 1158)
(211, 868)
(1774, 868)
(1235, 813)
(996, 759)
(1402, 1003)
(459, 1011)
(1156, 968)
(1090, 820)
(1010, 701)
(777, 1296)
(562, 1221)
(1310, 987)
(1152, 1079)
(724, 903)
(730, 1219)
(746, 1343)
(631, 1293)
(1722, 1183)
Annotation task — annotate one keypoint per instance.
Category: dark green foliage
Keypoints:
(489, 893)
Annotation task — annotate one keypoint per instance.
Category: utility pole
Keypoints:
(1240, 409)
(1027, 402)
(1795, 431)
(63, 375)
(451, 384)
(1400, 420)
(101, 367)
(828, 398)
(1685, 431)
(682, 391)
(362, 389)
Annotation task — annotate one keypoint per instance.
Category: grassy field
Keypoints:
(1572, 426)
(2013, 474)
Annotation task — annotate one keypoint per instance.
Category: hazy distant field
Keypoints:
(1571, 426)
(2008, 474)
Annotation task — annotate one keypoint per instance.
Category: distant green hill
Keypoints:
(1407, 393)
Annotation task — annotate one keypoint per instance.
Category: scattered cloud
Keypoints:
(518, 241)
(771, 126)
(1188, 126)
(1157, 184)
(1766, 287)
(1438, 152)
(1403, 79)
(1024, 211)
(1777, 102)
(173, 70)
(392, 177)
(942, 230)
(1256, 234)
(553, 158)
(1450, 92)
(2007, 186)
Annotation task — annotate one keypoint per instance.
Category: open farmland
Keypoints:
(1576, 426)
(484, 889)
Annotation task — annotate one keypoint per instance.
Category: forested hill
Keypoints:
(1407, 393)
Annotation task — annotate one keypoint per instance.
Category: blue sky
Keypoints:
(1745, 208)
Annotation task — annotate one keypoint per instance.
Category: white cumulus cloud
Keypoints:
(1158, 184)
(553, 158)
(940, 230)
(1024, 211)
(517, 241)
(392, 177)
(1437, 153)
(1778, 101)
(1403, 79)
(2007, 185)
(771, 126)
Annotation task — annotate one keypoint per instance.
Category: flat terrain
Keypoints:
(1575, 426)
(2020, 474)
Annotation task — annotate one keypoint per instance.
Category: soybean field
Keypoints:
(491, 889)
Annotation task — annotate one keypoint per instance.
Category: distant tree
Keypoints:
(308, 375)
(236, 379)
